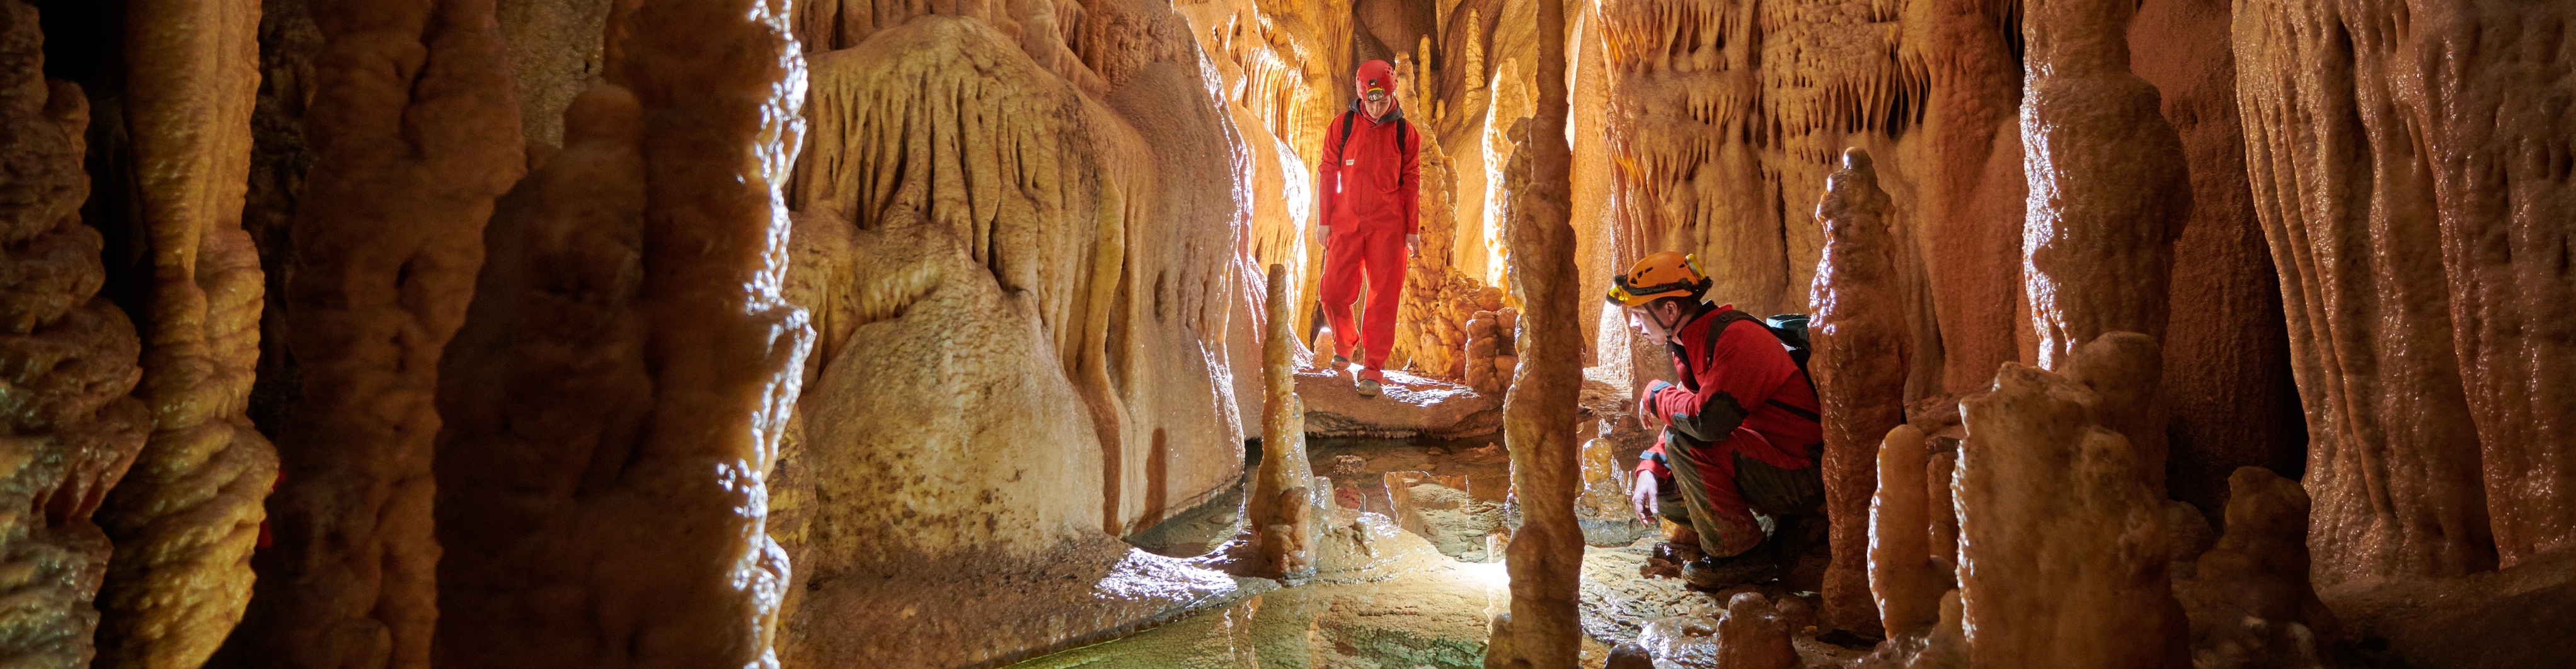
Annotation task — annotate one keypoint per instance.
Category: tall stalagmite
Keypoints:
(187, 516)
(2108, 186)
(616, 398)
(1281, 504)
(2063, 556)
(1862, 343)
(416, 134)
(67, 362)
(2410, 165)
(1546, 554)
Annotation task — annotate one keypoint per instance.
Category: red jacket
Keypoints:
(1738, 387)
(1370, 186)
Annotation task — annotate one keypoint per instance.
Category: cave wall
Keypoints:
(2420, 232)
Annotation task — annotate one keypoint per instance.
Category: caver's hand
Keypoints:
(1413, 243)
(1323, 235)
(1647, 416)
(1644, 499)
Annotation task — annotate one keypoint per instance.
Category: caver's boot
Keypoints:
(1712, 573)
(1370, 380)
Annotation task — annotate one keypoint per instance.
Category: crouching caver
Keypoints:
(1735, 467)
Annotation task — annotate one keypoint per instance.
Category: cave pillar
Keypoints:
(1546, 554)
(67, 362)
(1902, 580)
(1862, 343)
(2108, 185)
(1279, 508)
(187, 516)
(415, 132)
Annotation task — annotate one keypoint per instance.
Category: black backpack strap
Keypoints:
(1347, 118)
(1400, 129)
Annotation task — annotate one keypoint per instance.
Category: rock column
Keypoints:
(1862, 343)
(187, 516)
(416, 133)
(1539, 417)
(1902, 579)
(67, 362)
(1279, 507)
(2108, 185)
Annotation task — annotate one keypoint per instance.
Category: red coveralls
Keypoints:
(1749, 368)
(1369, 195)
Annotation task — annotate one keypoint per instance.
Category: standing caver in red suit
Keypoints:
(1369, 187)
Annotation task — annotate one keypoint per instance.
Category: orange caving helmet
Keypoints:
(1664, 274)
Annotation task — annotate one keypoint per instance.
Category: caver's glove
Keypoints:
(1646, 414)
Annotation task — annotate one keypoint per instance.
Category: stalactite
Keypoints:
(416, 134)
(67, 362)
(1862, 343)
(187, 516)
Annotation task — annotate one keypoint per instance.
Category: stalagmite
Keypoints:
(1754, 635)
(1862, 343)
(187, 515)
(2411, 169)
(616, 397)
(1280, 506)
(1546, 553)
(2108, 186)
(2063, 552)
(2250, 600)
(416, 134)
(2124, 369)
(67, 360)
(1902, 579)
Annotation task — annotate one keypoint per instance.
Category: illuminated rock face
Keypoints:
(1009, 375)
(2416, 227)
(2062, 542)
(69, 361)
(617, 399)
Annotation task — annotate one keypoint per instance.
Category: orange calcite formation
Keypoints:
(68, 430)
(186, 517)
(2250, 602)
(2414, 190)
(617, 398)
(2107, 181)
(1546, 553)
(415, 133)
(2062, 542)
(1903, 579)
(1281, 506)
(1862, 344)
(1024, 309)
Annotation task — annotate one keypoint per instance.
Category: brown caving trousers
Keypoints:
(1730, 531)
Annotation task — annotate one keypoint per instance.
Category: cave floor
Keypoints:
(1388, 597)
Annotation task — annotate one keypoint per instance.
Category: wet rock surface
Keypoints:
(1407, 406)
